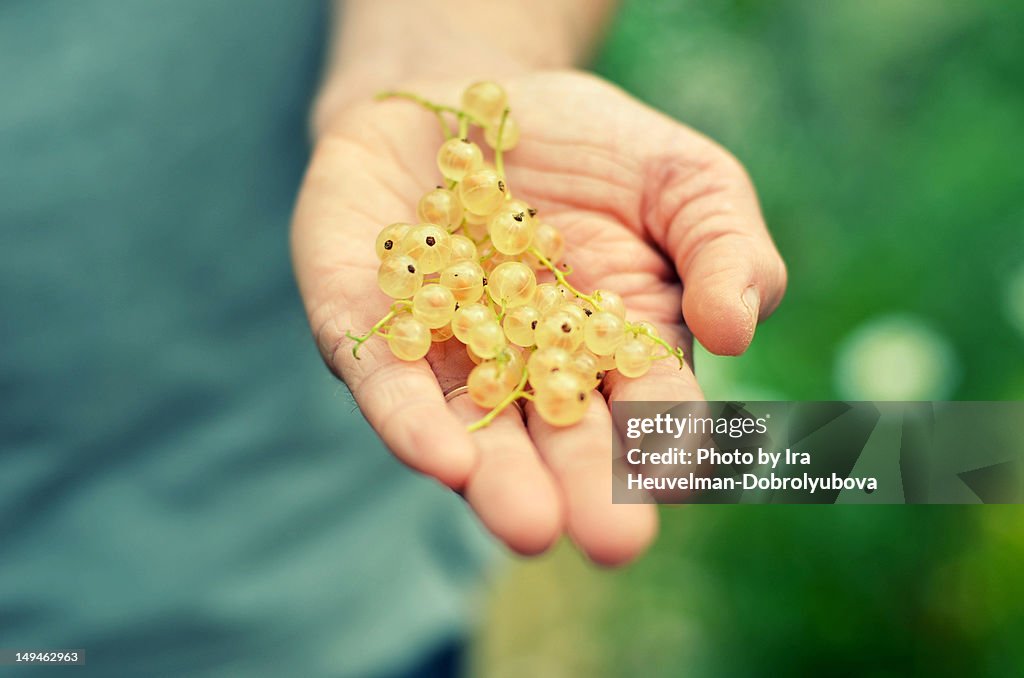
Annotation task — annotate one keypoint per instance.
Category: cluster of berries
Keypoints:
(469, 269)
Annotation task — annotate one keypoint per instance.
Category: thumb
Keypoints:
(707, 218)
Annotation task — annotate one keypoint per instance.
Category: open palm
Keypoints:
(645, 205)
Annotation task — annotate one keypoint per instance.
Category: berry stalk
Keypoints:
(376, 329)
(436, 108)
(673, 351)
(562, 279)
(518, 392)
(499, 156)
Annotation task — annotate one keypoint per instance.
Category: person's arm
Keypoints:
(376, 43)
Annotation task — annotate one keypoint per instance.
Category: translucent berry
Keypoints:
(559, 329)
(511, 284)
(584, 365)
(562, 399)
(512, 356)
(485, 101)
(604, 332)
(487, 339)
(549, 241)
(389, 240)
(482, 191)
(611, 302)
(463, 249)
(408, 338)
(465, 279)
(458, 157)
(576, 310)
(646, 332)
(399, 277)
(433, 305)
(430, 245)
(546, 297)
(511, 230)
(442, 207)
(469, 316)
(546, 361)
(490, 382)
(509, 134)
(633, 357)
(520, 323)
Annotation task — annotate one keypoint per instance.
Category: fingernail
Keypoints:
(752, 300)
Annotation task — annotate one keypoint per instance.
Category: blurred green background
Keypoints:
(885, 140)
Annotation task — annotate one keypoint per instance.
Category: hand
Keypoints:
(644, 203)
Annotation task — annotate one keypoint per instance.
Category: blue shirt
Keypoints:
(183, 487)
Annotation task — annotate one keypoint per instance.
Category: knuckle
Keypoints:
(723, 162)
(781, 274)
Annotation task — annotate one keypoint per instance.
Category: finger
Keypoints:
(729, 284)
(511, 491)
(580, 457)
(709, 220)
(339, 210)
(404, 404)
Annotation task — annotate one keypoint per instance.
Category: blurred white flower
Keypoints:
(896, 357)
(723, 378)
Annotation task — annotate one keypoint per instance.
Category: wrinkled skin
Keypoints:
(645, 205)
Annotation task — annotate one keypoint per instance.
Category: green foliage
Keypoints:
(885, 141)
(884, 138)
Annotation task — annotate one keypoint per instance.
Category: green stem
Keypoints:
(508, 400)
(499, 156)
(560, 277)
(376, 329)
(372, 331)
(673, 351)
(429, 105)
(445, 129)
(491, 304)
(463, 126)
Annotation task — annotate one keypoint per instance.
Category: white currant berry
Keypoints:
(399, 277)
(458, 157)
(442, 207)
(482, 191)
(633, 358)
(465, 279)
(485, 101)
(408, 338)
(562, 399)
(389, 240)
(430, 245)
(511, 284)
